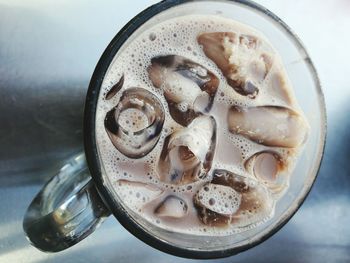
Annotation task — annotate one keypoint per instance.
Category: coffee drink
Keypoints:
(197, 126)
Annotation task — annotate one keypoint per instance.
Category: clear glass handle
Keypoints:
(66, 210)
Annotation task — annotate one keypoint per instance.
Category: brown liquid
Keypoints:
(199, 129)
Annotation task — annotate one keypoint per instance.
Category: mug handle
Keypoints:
(66, 210)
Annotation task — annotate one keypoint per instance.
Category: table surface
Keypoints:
(48, 51)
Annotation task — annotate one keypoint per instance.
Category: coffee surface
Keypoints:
(197, 126)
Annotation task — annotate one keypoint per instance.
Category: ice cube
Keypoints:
(220, 199)
(172, 206)
(183, 82)
(239, 59)
(115, 88)
(269, 125)
(135, 124)
(187, 154)
(269, 168)
(247, 202)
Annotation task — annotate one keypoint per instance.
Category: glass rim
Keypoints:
(92, 155)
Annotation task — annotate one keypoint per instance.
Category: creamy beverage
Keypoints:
(197, 126)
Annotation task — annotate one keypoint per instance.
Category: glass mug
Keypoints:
(75, 201)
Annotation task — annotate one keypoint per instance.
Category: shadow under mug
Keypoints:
(75, 201)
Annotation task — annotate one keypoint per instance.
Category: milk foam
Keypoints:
(178, 36)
